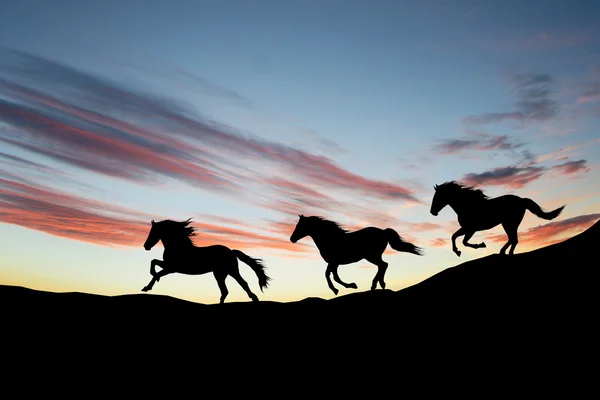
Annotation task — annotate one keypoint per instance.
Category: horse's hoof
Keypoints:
(482, 245)
(335, 292)
(145, 289)
(353, 286)
(458, 253)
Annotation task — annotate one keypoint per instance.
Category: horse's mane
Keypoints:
(325, 223)
(180, 229)
(468, 190)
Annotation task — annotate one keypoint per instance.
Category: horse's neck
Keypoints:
(324, 239)
(170, 244)
(463, 205)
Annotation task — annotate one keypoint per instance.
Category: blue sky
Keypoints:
(244, 114)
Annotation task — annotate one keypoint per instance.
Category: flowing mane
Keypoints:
(180, 230)
(470, 192)
(326, 224)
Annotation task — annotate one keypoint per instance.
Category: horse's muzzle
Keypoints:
(434, 213)
(147, 248)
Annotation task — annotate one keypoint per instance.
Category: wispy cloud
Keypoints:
(438, 242)
(118, 130)
(534, 93)
(75, 120)
(479, 143)
(572, 167)
(510, 177)
(548, 233)
(567, 152)
(65, 215)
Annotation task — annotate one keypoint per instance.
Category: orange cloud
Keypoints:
(77, 218)
(547, 234)
(438, 242)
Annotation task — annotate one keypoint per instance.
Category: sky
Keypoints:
(242, 115)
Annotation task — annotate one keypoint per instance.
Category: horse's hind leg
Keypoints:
(329, 271)
(511, 227)
(236, 275)
(513, 239)
(336, 277)
(381, 269)
(220, 277)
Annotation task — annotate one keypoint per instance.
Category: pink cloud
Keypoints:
(438, 242)
(572, 167)
(113, 129)
(547, 234)
(77, 218)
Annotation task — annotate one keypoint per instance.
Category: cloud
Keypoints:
(438, 242)
(550, 232)
(572, 167)
(590, 87)
(534, 101)
(590, 95)
(77, 218)
(510, 177)
(566, 152)
(482, 143)
(423, 226)
(114, 129)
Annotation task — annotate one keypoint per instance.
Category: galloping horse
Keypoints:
(182, 256)
(338, 247)
(477, 212)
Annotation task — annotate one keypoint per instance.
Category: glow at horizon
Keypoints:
(242, 116)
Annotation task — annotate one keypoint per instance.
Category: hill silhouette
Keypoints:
(545, 294)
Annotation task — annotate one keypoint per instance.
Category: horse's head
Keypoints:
(153, 236)
(301, 229)
(440, 199)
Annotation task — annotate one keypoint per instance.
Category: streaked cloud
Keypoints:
(65, 215)
(510, 177)
(549, 233)
(118, 130)
(535, 101)
(479, 143)
(572, 167)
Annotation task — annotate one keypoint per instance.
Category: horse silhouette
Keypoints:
(182, 256)
(338, 246)
(478, 212)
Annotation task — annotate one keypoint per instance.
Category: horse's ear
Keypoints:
(301, 216)
(435, 187)
(152, 222)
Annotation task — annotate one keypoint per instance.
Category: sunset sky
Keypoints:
(244, 114)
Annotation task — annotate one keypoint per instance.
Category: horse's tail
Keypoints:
(537, 210)
(257, 266)
(398, 244)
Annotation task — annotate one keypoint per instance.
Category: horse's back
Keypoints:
(506, 201)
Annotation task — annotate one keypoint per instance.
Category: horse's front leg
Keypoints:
(468, 236)
(336, 277)
(328, 272)
(153, 265)
(155, 279)
(455, 236)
